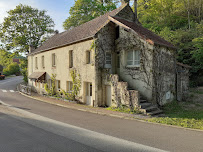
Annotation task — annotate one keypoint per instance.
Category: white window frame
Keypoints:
(108, 62)
(133, 59)
(69, 89)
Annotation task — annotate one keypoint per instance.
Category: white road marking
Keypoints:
(12, 91)
(4, 90)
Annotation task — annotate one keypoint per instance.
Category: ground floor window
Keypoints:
(69, 86)
(58, 83)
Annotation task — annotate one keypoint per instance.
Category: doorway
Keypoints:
(108, 95)
(88, 93)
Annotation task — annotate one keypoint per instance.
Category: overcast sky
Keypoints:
(57, 9)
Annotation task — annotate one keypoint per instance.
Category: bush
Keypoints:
(12, 68)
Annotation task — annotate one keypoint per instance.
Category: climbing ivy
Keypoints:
(51, 91)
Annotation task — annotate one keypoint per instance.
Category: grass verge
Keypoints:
(124, 109)
(181, 114)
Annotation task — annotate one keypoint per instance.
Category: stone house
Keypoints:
(119, 62)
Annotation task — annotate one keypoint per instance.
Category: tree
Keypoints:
(86, 10)
(25, 26)
(5, 58)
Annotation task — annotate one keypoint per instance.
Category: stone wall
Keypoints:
(182, 82)
(164, 75)
(121, 95)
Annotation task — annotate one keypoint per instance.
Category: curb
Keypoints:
(112, 115)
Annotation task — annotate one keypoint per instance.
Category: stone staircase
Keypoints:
(150, 109)
(129, 96)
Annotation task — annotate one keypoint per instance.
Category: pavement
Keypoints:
(62, 121)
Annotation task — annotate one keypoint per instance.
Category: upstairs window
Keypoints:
(53, 60)
(88, 57)
(36, 64)
(43, 66)
(70, 59)
(108, 58)
(133, 58)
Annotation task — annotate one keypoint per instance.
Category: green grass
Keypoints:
(177, 114)
(124, 109)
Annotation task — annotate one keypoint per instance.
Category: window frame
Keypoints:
(53, 56)
(71, 59)
(43, 62)
(36, 63)
(69, 86)
(134, 60)
(88, 57)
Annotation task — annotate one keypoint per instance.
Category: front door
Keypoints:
(89, 93)
(108, 95)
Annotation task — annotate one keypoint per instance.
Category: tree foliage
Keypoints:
(25, 26)
(5, 58)
(86, 10)
(180, 22)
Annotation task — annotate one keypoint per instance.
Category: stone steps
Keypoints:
(150, 109)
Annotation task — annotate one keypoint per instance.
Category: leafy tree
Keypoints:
(25, 26)
(180, 22)
(12, 68)
(86, 10)
(5, 58)
(23, 66)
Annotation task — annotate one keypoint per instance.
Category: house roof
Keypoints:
(82, 32)
(89, 29)
(141, 31)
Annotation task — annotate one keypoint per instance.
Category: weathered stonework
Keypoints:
(182, 82)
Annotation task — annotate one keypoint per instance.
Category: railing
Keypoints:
(24, 89)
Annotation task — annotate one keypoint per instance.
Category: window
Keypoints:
(42, 84)
(70, 59)
(53, 60)
(69, 86)
(58, 82)
(36, 64)
(117, 32)
(133, 58)
(88, 57)
(49, 83)
(43, 66)
(108, 58)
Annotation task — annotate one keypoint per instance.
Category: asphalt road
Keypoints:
(90, 131)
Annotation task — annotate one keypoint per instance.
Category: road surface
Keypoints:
(83, 130)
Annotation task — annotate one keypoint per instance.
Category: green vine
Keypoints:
(51, 91)
(76, 86)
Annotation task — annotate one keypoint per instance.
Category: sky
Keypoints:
(57, 9)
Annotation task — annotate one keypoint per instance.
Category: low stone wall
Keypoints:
(121, 95)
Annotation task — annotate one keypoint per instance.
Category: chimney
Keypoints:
(31, 48)
(124, 2)
(135, 11)
(56, 32)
